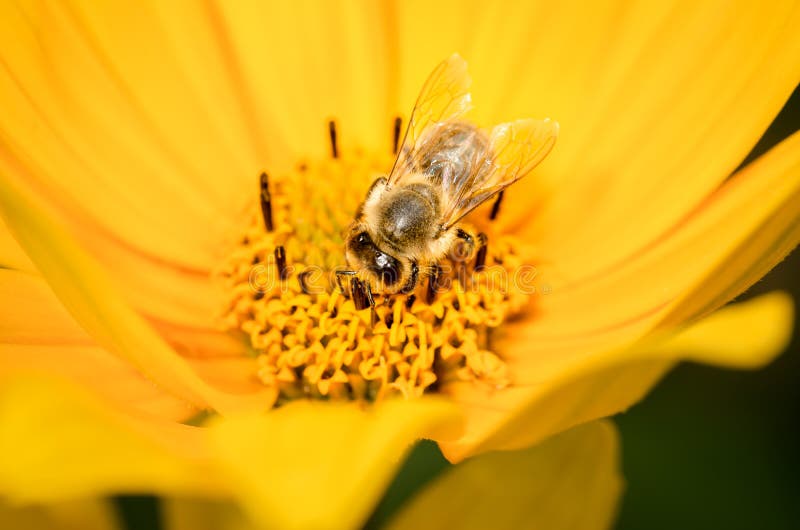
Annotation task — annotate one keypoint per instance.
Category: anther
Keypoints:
(398, 122)
(433, 282)
(332, 132)
(496, 206)
(480, 257)
(280, 261)
(301, 279)
(266, 202)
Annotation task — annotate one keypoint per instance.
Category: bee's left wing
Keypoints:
(515, 148)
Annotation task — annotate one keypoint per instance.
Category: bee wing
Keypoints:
(444, 97)
(515, 148)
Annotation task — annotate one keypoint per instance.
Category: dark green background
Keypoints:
(708, 448)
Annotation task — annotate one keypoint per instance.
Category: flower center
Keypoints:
(310, 337)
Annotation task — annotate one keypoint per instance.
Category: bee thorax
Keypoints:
(409, 216)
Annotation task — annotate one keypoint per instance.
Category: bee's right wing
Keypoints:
(444, 97)
(515, 148)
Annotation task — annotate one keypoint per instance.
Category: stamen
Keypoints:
(266, 202)
(280, 262)
(496, 206)
(332, 132)
(398, 122)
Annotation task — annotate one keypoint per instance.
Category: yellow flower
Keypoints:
(130, 141)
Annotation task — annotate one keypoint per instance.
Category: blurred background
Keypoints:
(707, 448)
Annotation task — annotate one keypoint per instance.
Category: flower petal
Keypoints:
(87, 514)
(323, 464)
(301, 63)
(50, 425)
(746, 335)
(93, 300)
(116, 137)
(714, 254)
(38, 335)
(571, 481)
(658, 103)
(743, 335)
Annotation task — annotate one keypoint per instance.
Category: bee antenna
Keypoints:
(332, 133)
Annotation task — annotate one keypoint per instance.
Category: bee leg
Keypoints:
(362, 298)
(339, 283)
(480, 256)
(411, 284)
(462, 253)
(373, 316)
(358, 293)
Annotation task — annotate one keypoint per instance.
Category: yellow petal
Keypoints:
(93, 301)
(87, 514)
(677, 100)
(38, 335)
(49, 425)
(301, 63)
(121, 139)
(746, 335)
(323, 464)
(602, 384)
(719, 250)
(571, 481)
(31, 314)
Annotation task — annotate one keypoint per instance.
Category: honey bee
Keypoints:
(445, 168)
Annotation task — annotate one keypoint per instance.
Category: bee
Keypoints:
(445, 168)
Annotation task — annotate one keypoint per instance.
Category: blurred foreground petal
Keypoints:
(322, 465)
(70, 515)
(570, 481)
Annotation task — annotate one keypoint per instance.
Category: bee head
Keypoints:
(364, 256)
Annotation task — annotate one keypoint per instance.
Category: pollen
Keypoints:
(304, 328)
